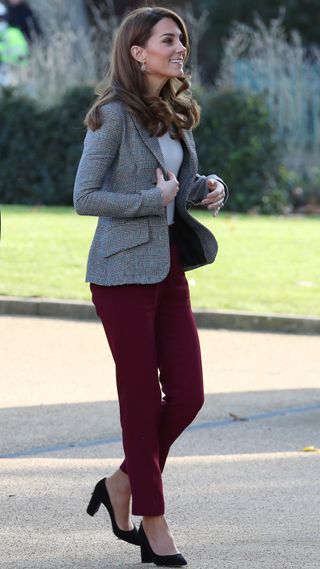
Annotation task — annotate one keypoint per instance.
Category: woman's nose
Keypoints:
(181, 48)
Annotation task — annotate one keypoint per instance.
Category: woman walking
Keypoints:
(138, 174)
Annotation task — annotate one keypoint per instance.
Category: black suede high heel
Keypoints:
(148, 555)
(100, 496)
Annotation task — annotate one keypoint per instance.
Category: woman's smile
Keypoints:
(163, 55)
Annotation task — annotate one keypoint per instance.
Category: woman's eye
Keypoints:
(170, 41)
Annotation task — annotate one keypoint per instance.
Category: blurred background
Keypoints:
(255, 68)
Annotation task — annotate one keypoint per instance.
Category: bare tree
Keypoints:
(196, 27)
(75, 13)
(67, 55)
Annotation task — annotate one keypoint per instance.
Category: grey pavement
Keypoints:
(240, 494)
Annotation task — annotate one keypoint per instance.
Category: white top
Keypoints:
(173, 155)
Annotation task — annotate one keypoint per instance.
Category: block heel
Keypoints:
(100, 496)
(93, 505)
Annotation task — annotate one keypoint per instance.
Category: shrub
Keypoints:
(40, 150)
(236, 140)
(19, 172)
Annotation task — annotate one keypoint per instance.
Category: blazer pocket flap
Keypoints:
(126, 235)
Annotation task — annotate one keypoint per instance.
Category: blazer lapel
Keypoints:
(189, 164)
(190, 156)
(151, 142)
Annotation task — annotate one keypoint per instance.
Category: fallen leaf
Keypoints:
(310, 449)
(237, 418)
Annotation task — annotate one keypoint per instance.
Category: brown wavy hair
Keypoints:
(126, 82)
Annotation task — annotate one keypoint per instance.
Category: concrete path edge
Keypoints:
(209, 319)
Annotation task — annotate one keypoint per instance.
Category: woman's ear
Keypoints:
(137, 53)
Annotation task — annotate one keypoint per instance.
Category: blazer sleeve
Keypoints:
(92, 195)
(199, 188)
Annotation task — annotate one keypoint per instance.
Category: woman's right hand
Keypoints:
(168, 189)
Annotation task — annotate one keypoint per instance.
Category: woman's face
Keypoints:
(164, 53)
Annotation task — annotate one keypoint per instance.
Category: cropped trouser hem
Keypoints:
(155, 346)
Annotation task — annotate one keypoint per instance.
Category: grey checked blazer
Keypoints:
(116, 181)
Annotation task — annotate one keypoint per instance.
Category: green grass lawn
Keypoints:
(265, 264)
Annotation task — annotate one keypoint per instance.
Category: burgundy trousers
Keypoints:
(155, 346)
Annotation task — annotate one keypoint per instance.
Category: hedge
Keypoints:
(40, 149)
(235, 138)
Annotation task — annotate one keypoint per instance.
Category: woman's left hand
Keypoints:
(215, 198)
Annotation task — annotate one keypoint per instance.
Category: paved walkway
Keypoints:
(240, 494)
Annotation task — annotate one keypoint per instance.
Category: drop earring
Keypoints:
(143, 67)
